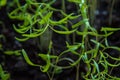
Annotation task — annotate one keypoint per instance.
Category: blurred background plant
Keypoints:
(3, 74)
(3, 3)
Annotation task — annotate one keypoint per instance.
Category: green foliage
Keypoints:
(37, 22)
(3, 2)
(3, 74)
(15, 52)
(46, 57)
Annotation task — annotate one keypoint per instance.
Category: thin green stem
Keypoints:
(111, 10)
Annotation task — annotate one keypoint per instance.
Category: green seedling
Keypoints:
(46, 57)
(3, 74)
(90, 50)
(15, 52)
